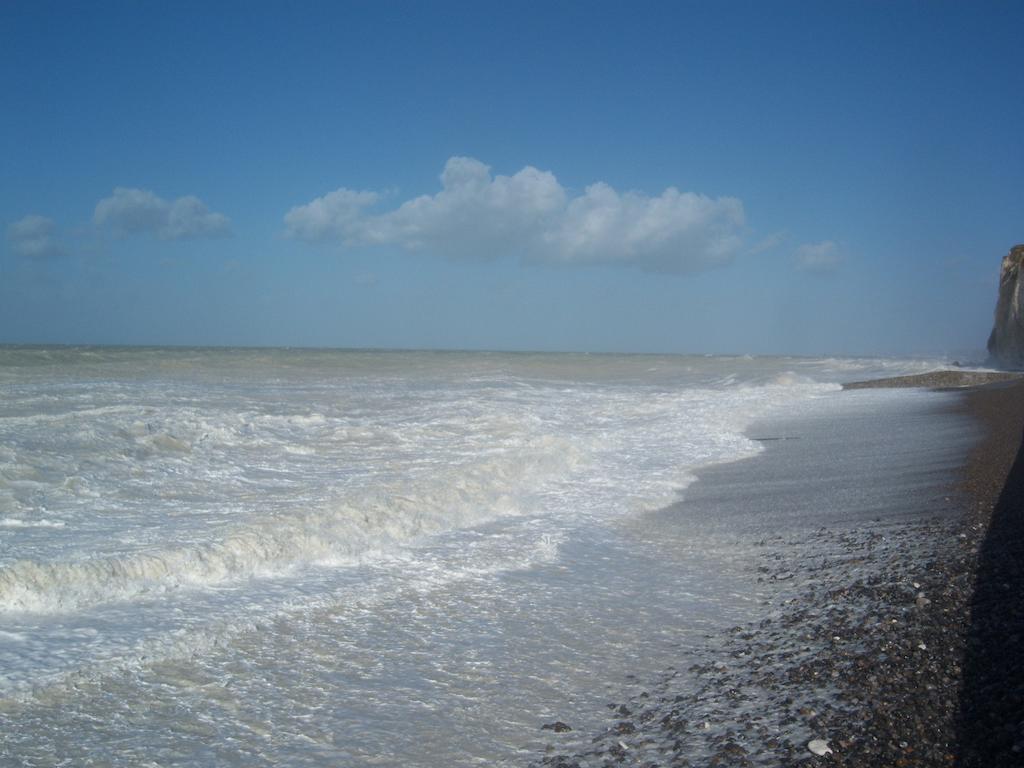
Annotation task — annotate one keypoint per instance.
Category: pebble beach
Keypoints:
(892, 642)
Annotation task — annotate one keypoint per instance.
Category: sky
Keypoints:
(838, 178)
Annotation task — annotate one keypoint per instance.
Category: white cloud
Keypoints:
(768, 243)
(32, 236)
(138, 211)
(477, 215)
(336, 214)
(819, 257)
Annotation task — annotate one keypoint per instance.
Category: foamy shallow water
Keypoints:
(296, 557)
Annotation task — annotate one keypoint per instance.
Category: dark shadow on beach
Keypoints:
(991, 723)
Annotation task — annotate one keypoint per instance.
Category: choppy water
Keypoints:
(296, 557)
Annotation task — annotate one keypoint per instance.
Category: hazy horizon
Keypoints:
(677, 178)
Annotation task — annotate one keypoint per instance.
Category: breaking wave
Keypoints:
(341, 533)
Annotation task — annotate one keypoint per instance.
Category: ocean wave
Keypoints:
(341, 533)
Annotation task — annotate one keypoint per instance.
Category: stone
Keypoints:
(819, 747)
(558, 727)
(1006, 342)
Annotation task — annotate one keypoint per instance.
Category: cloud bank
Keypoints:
(819, 257)
(479, 216)
(139, 211)
(32, 236)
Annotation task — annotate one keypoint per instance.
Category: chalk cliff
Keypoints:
(1006, 342)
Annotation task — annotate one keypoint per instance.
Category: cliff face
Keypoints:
(1006, 342)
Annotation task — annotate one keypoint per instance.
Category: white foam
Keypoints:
(340, 534)
(14, 522)
(69, 655)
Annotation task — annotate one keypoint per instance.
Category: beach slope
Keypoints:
(889, 638)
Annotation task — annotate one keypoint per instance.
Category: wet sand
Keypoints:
(899, 643)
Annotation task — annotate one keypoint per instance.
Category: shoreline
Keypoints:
(892, 647)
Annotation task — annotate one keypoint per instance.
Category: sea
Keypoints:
(306, 557)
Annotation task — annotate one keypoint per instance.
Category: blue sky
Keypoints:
(728, 177)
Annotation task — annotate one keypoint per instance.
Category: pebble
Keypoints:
(558, 727)
(819, 747)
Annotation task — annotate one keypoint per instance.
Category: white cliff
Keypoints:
(1006, 342)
